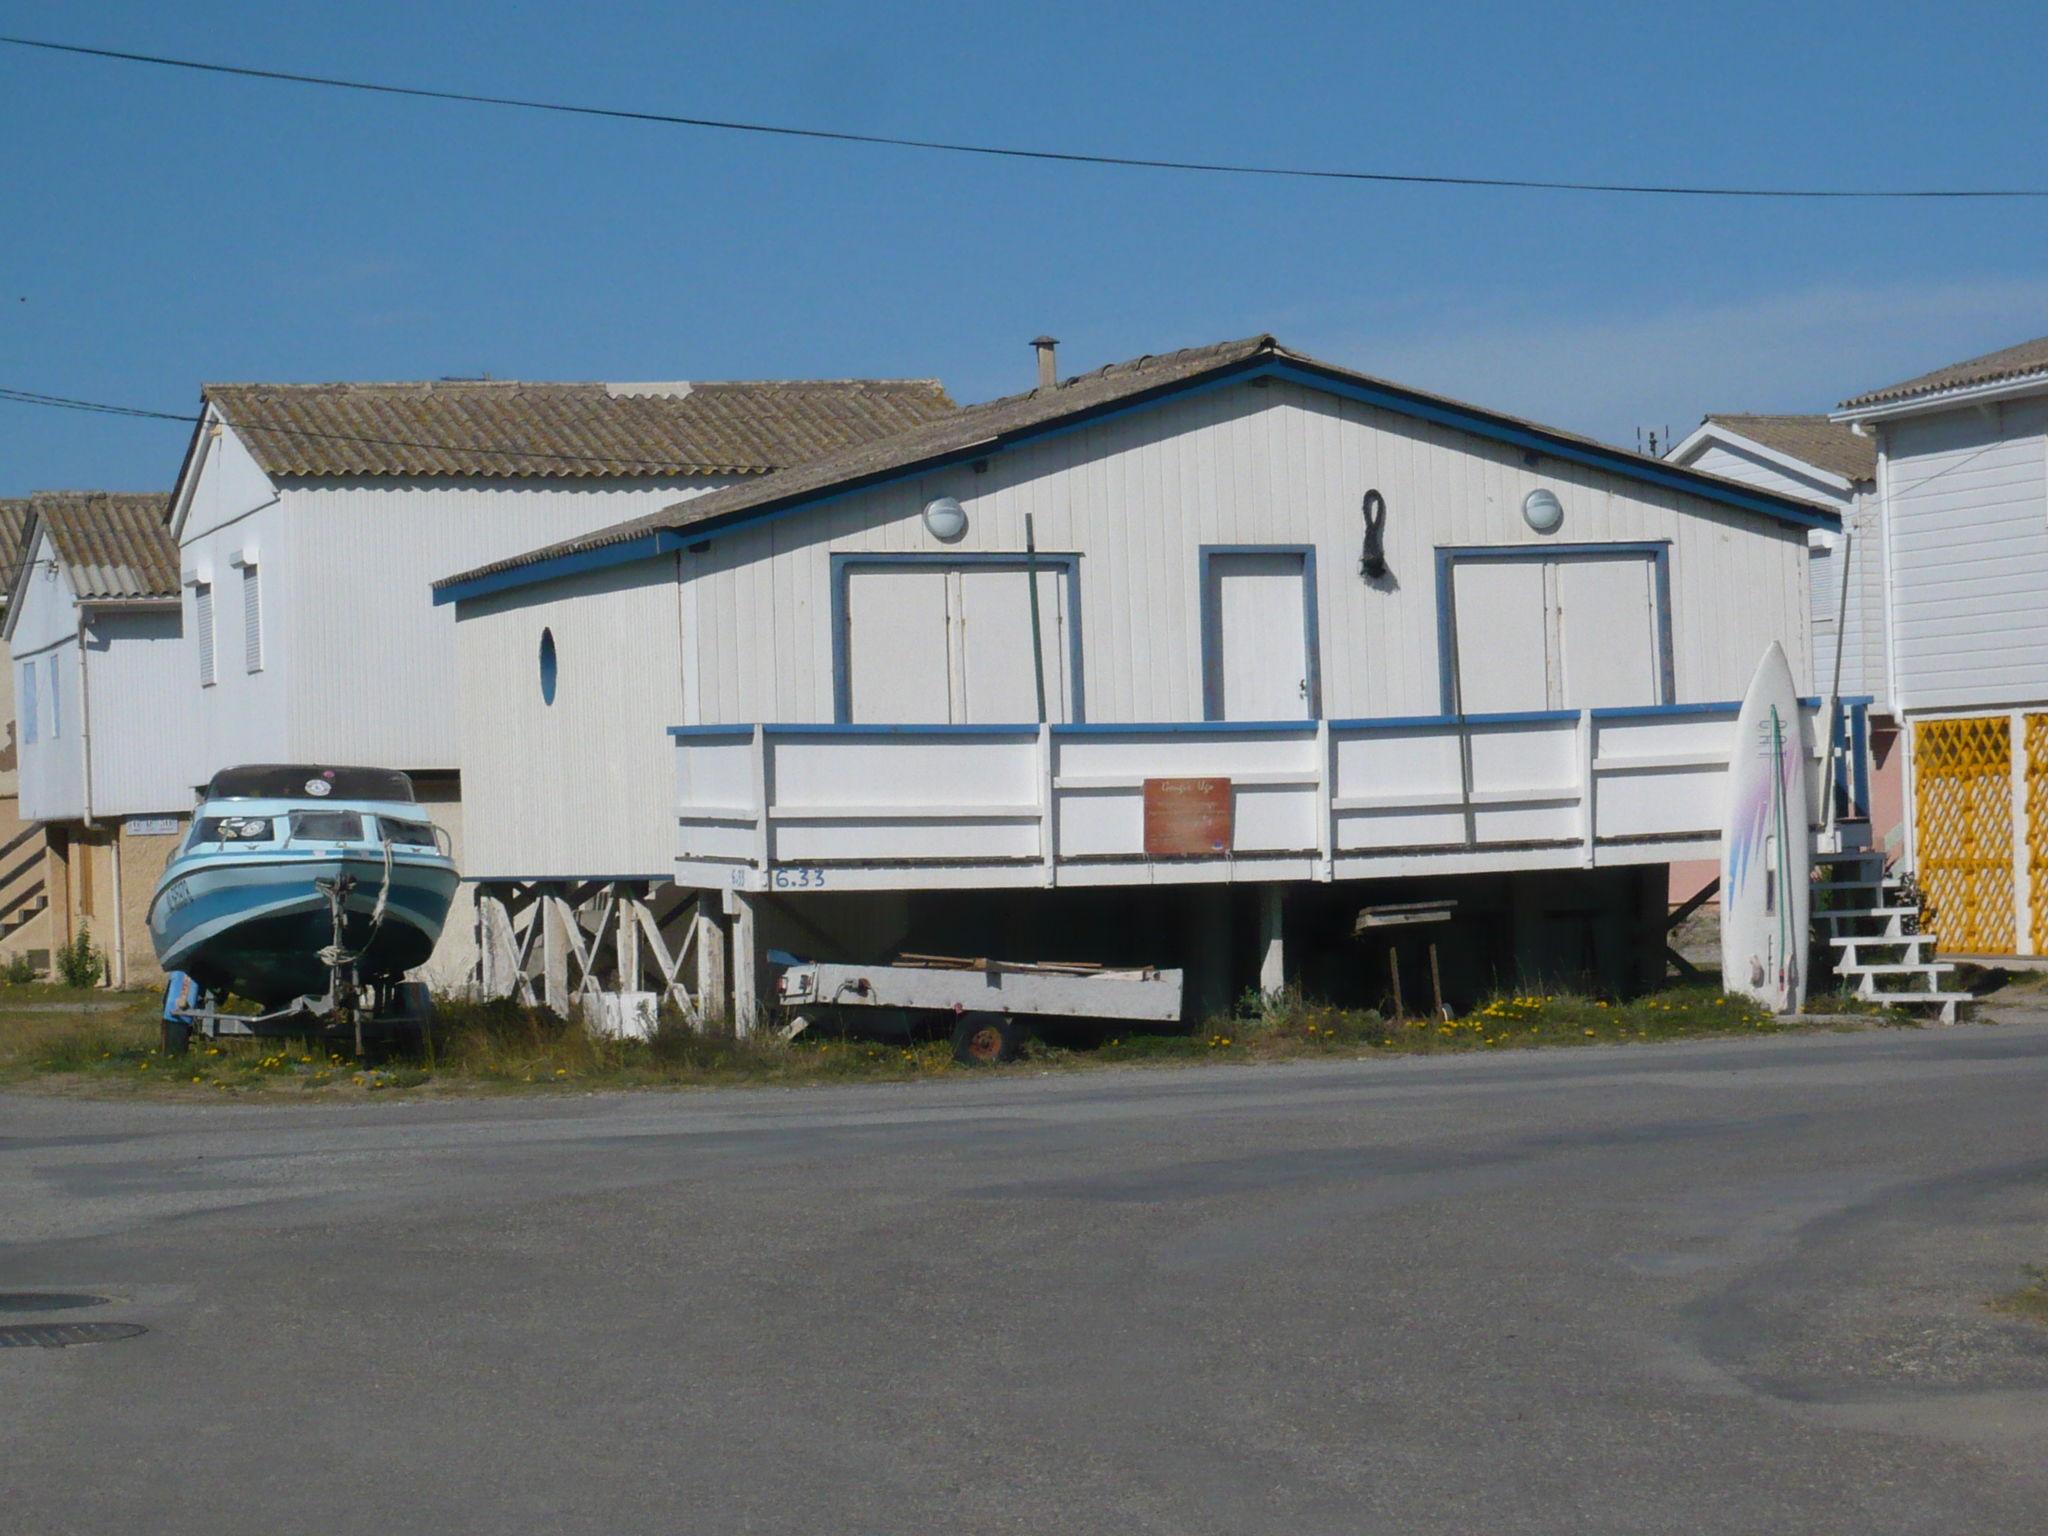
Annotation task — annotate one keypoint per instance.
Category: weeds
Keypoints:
(2030, 1300)
(505, 1046)
(81, 963)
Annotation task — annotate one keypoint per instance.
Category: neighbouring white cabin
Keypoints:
(97, 657)
(1962, 480)
(828, 683)
(307, 517)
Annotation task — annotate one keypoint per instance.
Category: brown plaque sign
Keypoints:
(1186, 816)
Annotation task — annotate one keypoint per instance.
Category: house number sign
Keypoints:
(1185, 817)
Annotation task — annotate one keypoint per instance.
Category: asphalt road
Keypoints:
(1732, 1287)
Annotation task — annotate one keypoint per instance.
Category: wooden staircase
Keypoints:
(24, 897)
(1868, 934)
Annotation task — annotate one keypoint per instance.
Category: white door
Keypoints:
(1607, 623)
(938, 644)
(1259, 642)
(997, 685)
(898, 639)
(1502, 635)
(1575, 632)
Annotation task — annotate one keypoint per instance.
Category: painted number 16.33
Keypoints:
(797, 878)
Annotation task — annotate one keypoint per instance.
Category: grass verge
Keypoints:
(103, 1042)
(2030, 1300)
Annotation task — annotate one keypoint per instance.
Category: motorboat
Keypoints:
(294, 875)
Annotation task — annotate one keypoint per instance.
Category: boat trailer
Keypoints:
(361, 1015)
(984, 1001)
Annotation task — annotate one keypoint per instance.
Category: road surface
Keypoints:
(1726, 1287)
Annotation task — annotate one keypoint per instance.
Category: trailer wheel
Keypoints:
(985, 1039)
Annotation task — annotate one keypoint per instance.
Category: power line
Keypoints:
(1008, 152)
(254, 422)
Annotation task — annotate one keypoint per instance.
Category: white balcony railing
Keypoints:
(796, 807)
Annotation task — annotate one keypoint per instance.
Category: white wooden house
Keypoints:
(828, 683)
(97, 660)
(1834, 465)
(307, 518)
(1962, 487)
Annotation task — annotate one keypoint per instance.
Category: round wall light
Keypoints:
(547, 666)
(1542, 510)
(945, 518)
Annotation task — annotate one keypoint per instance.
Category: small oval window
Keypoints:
(547, 666)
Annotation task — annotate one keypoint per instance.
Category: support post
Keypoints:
(1272, 939)
(708, 940)
(1208, 973)
(626, 937)
(554, 951)
(747, 1001)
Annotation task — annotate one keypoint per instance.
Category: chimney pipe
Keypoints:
(1048, 365)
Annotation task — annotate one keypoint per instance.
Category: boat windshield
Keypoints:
(296, 781)
(327, 827)
(406, 834)
(232, 829)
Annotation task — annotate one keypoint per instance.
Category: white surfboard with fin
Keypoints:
(1767, 845)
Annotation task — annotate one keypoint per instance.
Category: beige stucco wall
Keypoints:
(84, 893)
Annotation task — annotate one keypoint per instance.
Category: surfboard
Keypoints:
(1767, 845)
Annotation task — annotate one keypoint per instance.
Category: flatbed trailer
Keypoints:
(985, 1000)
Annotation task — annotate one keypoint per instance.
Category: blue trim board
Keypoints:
(1173, 727)
(710, 730)
(1211, 623)
(846, 728)
(1385, 396)
(662, 541)
(1644, 711)
(843, 562)
(1658, 551)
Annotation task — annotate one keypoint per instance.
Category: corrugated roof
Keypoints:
(113, 544)
(14, 513)
(522, 429)
(975, 429)
(1816, 440)
(1992, 368)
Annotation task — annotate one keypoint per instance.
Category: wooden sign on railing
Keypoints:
(1186, 817)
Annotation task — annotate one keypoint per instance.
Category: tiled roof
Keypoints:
(1815, 440)
(113, 544)
(1992, 368)
(515, 429)
(976, 429)
(13, 523)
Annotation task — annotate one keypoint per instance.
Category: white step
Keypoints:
(1947, 1002)
(1851, 856)
(1849, 946)
(1837, 914)
(1899, 967)
(1849, 885)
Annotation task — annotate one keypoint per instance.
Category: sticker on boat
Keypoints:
(317, 786)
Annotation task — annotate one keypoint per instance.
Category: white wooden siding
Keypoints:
(1864, 651)
(1138, 495)
(586, 790)
(233, 511)
(586, 784)
(1968, 503)
(374, 672)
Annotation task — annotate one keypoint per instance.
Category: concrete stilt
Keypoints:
(1272, 939)
(747, 970)
(554, 952)
(709, 948)
(1208, 978)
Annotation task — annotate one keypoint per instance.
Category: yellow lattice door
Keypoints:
(1962, 812)
(2037, 829)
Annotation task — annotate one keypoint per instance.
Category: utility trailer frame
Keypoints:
(984, 999)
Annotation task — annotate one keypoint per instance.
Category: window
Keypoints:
(406, 834)
(327, 827)
(56, 701)
(202, 623)
(252, 619)
(233, 829)
(28, 703)
(547, 666)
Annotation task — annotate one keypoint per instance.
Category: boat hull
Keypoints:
(254, 925)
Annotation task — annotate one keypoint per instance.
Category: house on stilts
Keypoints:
(1180, 661)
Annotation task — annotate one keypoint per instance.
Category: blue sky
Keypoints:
(166, 228)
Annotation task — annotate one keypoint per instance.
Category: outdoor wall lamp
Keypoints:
(944, 518)
(1542, 510)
